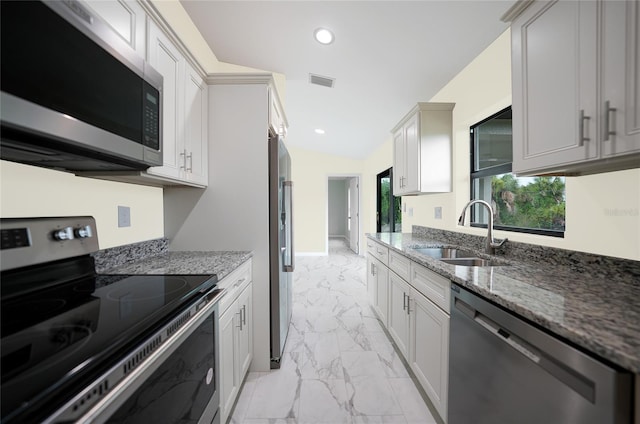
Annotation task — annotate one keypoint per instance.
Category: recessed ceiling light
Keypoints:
(319, 131)
(323, 36)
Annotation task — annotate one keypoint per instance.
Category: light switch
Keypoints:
(438, 212)
(410, 211)
(124, 216)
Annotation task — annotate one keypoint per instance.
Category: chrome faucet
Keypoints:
(491, 246)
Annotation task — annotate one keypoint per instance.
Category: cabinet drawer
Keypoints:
(400, 264)
(433, 286)
(378, 251)
(233, 284)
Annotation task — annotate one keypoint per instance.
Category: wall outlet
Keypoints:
(124, 216)
(437, 212)
(410, 211)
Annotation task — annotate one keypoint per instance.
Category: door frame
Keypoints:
(344, 176)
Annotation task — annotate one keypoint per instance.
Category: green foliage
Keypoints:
(539, 204)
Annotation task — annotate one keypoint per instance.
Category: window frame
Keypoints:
(392, 215)
(492, 171)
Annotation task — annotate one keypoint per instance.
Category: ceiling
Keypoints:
(387, 55)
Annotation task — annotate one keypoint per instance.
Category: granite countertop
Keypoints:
(220, 263)
(597, 310)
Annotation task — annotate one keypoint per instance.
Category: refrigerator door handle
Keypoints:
(288, 260)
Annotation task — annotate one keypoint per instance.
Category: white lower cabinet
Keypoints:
(417, 319)
(229, 384)
(378, 287)
(399, 296)
(236, 335)
(429, 349)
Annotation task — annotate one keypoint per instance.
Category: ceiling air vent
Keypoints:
(320, 80)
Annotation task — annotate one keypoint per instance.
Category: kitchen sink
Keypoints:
(471, 262)
(446, 252)
(456, 256)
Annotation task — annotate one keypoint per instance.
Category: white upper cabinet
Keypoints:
(422, 150)
(575, 87)
(184, 115)
(127, 18)
(619, 108)
(166, 59)
(195, 128)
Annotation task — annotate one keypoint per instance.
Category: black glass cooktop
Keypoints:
(60, 338)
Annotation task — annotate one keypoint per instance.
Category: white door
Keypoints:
(353, 217)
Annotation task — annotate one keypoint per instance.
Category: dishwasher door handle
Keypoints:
(506, 337)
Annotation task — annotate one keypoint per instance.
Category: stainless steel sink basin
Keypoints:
(445, 252)
(455, 256)
(471, 262)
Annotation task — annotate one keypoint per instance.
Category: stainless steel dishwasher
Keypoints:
(503, 370)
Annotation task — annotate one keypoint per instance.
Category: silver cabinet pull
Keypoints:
(190, 157)
(183, 155)
(240, 319)
(404, 301)
(581, 136)
(408, 305)
(607, 121)
(244, 315)
(373, 269)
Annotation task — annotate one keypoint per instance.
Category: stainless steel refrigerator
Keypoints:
(281, 257)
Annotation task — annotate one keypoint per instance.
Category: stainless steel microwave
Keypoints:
(74, 95)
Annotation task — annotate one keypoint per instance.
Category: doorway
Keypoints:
(343, 211)
(388, 214)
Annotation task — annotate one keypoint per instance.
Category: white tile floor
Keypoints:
(339, 366)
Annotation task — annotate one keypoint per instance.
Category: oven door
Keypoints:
(162, 381)
(183, 389)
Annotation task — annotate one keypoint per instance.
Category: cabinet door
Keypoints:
(167, 60)
(412, 154)
(429, 349)
(554, 66)
(195, 137)
(127, 18)
(228, 340)
(382, 285)
(372, 284)
(245, 332)
(620, 111)
(399, 292)
(398, 162)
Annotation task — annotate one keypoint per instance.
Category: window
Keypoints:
(388, 217)
(525, 204)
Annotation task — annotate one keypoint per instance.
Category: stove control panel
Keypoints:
(31, 241)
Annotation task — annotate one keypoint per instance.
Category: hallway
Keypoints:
(339, 366)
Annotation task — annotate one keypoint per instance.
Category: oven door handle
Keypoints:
(115, 397)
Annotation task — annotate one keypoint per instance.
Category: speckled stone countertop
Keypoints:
(597, 309)
(220, 263)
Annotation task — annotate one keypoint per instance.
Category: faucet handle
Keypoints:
(499, 244)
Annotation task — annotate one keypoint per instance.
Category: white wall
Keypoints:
(30, 191)
(338, 208)
(310, 171)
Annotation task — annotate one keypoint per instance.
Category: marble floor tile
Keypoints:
(413, 407)
(370, 395)
(324, 401)
(339, 366)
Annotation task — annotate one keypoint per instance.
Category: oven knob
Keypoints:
(83, 232)
(63, 234)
